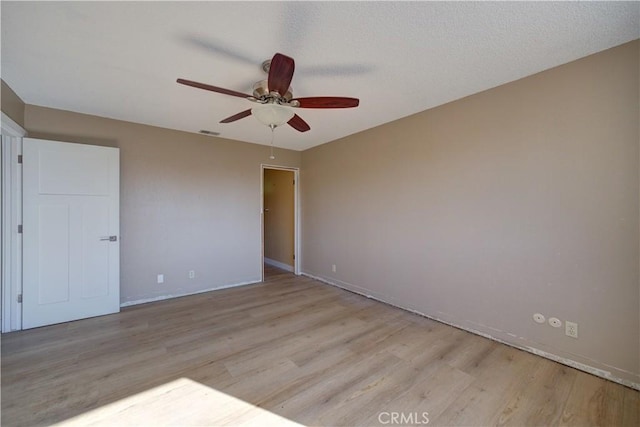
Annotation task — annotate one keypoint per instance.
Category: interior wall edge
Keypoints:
(278, 264)
(186, 294)
(601, 371)
(12, 105)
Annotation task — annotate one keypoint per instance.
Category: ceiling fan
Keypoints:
(274, 99)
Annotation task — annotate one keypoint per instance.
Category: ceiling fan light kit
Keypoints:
(272, 114)
(274, 97)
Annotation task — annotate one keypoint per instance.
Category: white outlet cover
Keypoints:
(160, 278)
(539, 318)
(571, 329)
(555, 322)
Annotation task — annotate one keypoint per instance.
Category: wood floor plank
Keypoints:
(321, 394)
(542, 398)
(594, 402)
(631, 411)
(288, 351)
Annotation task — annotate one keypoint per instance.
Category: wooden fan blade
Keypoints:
(213, 88)
(240, 115)
(298, 124)
(327, 102)
(280, 73)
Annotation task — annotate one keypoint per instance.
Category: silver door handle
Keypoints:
(110, 238)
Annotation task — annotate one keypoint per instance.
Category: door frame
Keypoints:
(11, 286)
(296, 215)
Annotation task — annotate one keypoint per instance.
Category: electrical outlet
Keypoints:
(160, 278)
(192, 274)
(571, 329)
(333, 268)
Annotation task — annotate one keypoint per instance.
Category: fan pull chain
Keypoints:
(272, 157)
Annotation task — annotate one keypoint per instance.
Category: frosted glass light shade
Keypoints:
(272, 114)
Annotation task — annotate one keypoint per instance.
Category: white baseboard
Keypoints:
(565, 361)
(184, 294)
(278, 264)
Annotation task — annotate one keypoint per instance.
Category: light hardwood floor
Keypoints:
(290, 350)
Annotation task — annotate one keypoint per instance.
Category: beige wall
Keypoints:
(187, 202)
(279, 222)
(12, 105)
(484, 211)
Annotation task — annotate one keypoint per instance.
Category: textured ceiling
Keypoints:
(121, 59)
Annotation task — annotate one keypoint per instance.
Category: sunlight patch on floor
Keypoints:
(181, 402)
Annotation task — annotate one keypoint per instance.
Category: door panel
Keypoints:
(53, 253)
(95, 226)
(71, 207)
(68, 172)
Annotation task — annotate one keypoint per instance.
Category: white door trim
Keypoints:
(11, 286)
(297, 262)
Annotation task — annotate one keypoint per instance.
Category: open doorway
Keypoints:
(280, 219)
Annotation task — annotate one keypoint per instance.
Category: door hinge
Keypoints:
(20, 229)
(294, 256)
(20, 298)
(20, 158)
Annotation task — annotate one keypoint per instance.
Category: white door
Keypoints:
(71, 263)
